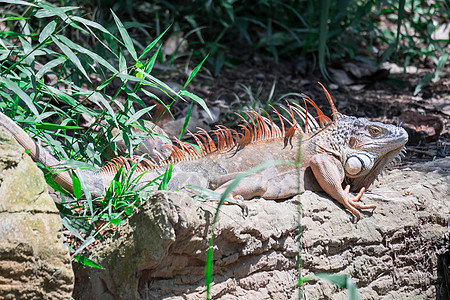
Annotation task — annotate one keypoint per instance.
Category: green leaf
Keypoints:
(49, 66)
(47, 31)
(129, 210)
(87, 262)
(423, 82)
(105, 83)
(302, 280)
(223, 197)
(194, 72)
(343, 281)
(186, 120)
(98, 96)
(234, 183)
(338, 279)
(152, 44)
(87, 192)
(68, 224)
(122, 64)
(126, 38)
(151, 62)
(196, 99)
(61, 96)
(19, 2)
(210, 195)
(91, 24)
(139, 114)
(22, 95)
(49, 10)
(76, 185)
(72, 57)
(166, 178)
(50, 126)
(441, 63)
(93, 55)
(115, 221)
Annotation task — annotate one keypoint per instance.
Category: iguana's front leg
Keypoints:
(330, 174)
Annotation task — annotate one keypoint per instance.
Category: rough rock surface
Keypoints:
(392, 253)
(34, 263)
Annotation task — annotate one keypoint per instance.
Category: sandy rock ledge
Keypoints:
(392, 253)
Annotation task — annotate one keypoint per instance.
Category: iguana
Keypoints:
(342, 151)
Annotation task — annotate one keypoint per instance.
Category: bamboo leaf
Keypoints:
(47, 31)
(19, 2)
(125, 36)
(93, 55)
(72, 57)
(139, 114)
(194, 72)
(49, 66)
(149, 65)
(197, 99)
(86, 243)
(423, 82)
(186, 120)
(122, 64)
(22, 95)
(98, 96)
(87, 262)
(76, 185)
(49, 10)
(441, 63)
(91, 24)
(66, 223)
(50, 126)
(166, 178)
(342, 281)
(152, 44)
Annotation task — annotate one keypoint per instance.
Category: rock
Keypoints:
(34, 263)
(391, 253)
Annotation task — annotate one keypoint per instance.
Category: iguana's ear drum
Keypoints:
(357, 164)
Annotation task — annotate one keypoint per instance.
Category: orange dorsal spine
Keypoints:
(335, 112)
(257, 129)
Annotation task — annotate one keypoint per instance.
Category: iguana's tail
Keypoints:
(38, 153)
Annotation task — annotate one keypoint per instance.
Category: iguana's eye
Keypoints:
(375, 131)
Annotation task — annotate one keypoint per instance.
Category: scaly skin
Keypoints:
(339, 156)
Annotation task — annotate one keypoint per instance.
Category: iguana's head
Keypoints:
(368, 148)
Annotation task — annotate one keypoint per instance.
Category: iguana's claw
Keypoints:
(352, 203)
(239, 201)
